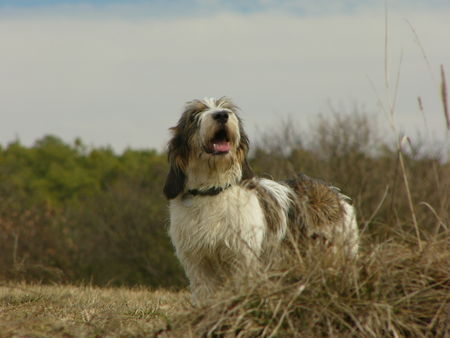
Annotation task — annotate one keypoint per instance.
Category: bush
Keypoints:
(72, 215)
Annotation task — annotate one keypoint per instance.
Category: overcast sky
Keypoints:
(119, 72)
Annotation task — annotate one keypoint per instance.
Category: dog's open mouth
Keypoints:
(220, 143)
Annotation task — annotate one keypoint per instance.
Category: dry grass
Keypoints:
(69, 311)
(394, 289)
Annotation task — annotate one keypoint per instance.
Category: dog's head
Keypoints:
(208, 147)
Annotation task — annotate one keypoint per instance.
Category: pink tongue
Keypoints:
(222, 146)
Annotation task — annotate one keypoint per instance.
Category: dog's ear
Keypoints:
(177, 155)
(174, 182)
(247, 171)
(244, 145)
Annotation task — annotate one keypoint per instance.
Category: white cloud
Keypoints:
(123, 81)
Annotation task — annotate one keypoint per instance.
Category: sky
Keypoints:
(117, 73)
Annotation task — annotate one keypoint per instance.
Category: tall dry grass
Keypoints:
(393, 290)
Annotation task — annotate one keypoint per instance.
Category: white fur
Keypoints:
(207, 229)
(283, 195)
(211, 103)
(350, 232)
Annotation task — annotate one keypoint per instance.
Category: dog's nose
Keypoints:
(221, 116)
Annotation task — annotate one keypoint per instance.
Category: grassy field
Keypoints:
(393, 289)
(69, 311)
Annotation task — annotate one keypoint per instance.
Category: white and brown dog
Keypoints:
(222, 217)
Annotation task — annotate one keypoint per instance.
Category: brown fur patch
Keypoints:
(183, 132)
(316, 205)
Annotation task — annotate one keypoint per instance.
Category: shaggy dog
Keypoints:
(223, 219)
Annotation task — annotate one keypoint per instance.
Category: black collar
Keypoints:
(209, 192)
